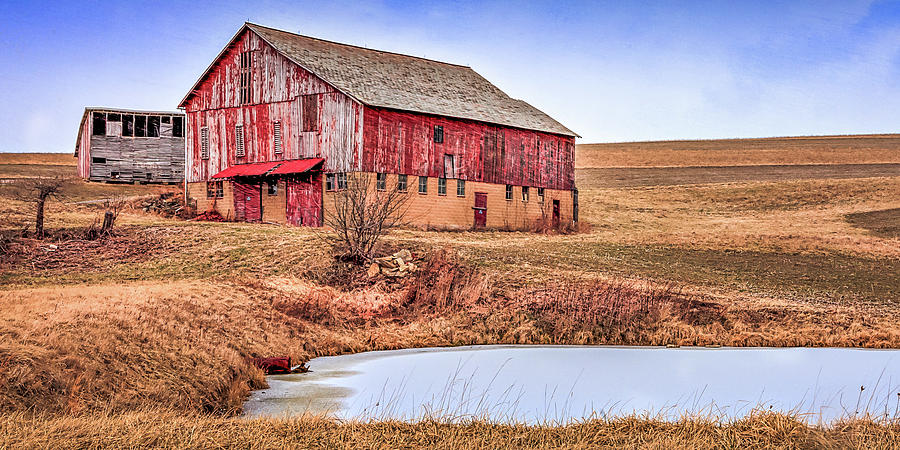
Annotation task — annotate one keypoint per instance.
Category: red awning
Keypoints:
(247, 170)
(297, 166)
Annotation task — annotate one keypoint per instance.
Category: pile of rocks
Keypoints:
(398, 265)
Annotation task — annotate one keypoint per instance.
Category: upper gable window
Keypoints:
(246, 64)
(128, 125)
(99, 124)
(140, 126)
(178, 127)
(310, 113)
(153, 126)
(438, 134)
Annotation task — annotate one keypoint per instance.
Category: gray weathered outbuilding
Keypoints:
(123, 145)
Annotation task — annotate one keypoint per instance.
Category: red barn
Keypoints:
(278, 120)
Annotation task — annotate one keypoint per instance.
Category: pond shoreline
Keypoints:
(504, 382)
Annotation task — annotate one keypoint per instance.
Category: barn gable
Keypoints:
(287, 113)
(402, 82)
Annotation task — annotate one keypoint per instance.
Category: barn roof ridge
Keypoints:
(251, 24)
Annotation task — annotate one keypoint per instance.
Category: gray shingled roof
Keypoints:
(408, 83)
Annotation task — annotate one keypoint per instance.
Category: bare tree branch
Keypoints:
(363, 215)
(38, 191)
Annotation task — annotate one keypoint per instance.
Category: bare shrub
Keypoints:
(363, 215)
(39, 191)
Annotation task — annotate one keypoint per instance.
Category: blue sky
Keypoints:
(611, 71)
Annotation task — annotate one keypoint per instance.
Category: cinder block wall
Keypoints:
(274, 205)
(225, 205)
(431, 210)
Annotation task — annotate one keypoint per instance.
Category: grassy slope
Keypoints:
(778, 263)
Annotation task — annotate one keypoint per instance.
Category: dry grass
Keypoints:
(163, 314)
(863, 149)
(58, 159)
(167, 430)
(183, 345)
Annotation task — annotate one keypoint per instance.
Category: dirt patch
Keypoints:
(883, 223)
(673, 176)
(127, 245)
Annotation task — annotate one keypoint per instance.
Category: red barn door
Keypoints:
(247, 202)
(480, 209)
(303, 197)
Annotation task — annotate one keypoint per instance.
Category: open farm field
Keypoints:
(667, 176)
(779, 151)
(164, 314)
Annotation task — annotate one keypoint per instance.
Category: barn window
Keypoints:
(167, 119)
(442, 186)
(113, 117)
(423, 185)
(524, 193)
(98, 160)
(541, 194)
(140, 126)
(310, 114)
(401, 183)
(245, 77)
(438, 134)
(460, 188)
(128, 125)
(178, 127)
(204, 143)
(380, 181)
(509, 192)
(239, 140)
(99, 124)
(153, 126)
(273, 188)
(215, 189)
(329, 182)
(276, 136)
(341, 181)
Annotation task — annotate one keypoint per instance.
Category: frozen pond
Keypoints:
(564, 383)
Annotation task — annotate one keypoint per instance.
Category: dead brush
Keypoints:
(610, 308)
(444, 283)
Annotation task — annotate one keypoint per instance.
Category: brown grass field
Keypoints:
(779, 151)
(162, 316)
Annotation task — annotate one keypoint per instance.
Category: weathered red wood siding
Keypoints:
(278, 89)
(84, 148)
(303, 200)
(247, 201)
(401, 142)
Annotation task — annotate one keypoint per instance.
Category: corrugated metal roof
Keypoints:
(296, 166)
(247, 170)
